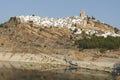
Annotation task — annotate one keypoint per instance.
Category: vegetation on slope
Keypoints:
(99, 42)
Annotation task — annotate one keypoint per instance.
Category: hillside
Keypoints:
(55, 37)
(21, 35)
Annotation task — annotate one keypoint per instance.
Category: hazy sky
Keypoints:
(107, 11)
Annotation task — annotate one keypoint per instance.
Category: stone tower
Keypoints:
(83, 14)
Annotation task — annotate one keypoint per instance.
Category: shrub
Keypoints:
(102, 50)
(2, 44)
(41, 29)
(1, 25)
(116, 30)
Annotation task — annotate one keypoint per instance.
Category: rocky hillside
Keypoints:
(35, 34)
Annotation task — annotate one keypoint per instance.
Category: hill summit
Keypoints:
(77, 24)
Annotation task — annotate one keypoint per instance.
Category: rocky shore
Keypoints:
(103, 63)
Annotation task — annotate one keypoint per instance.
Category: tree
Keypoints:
(33, 14)
(116, 30)
(1, 25)
(93, 18)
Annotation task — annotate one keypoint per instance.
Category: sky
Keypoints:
(107, 11)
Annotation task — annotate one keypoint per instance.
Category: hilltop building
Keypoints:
(83, 14)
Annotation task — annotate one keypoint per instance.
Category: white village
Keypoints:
(70, 23)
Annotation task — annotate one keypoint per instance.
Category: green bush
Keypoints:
(1, 25)
(102, 50)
